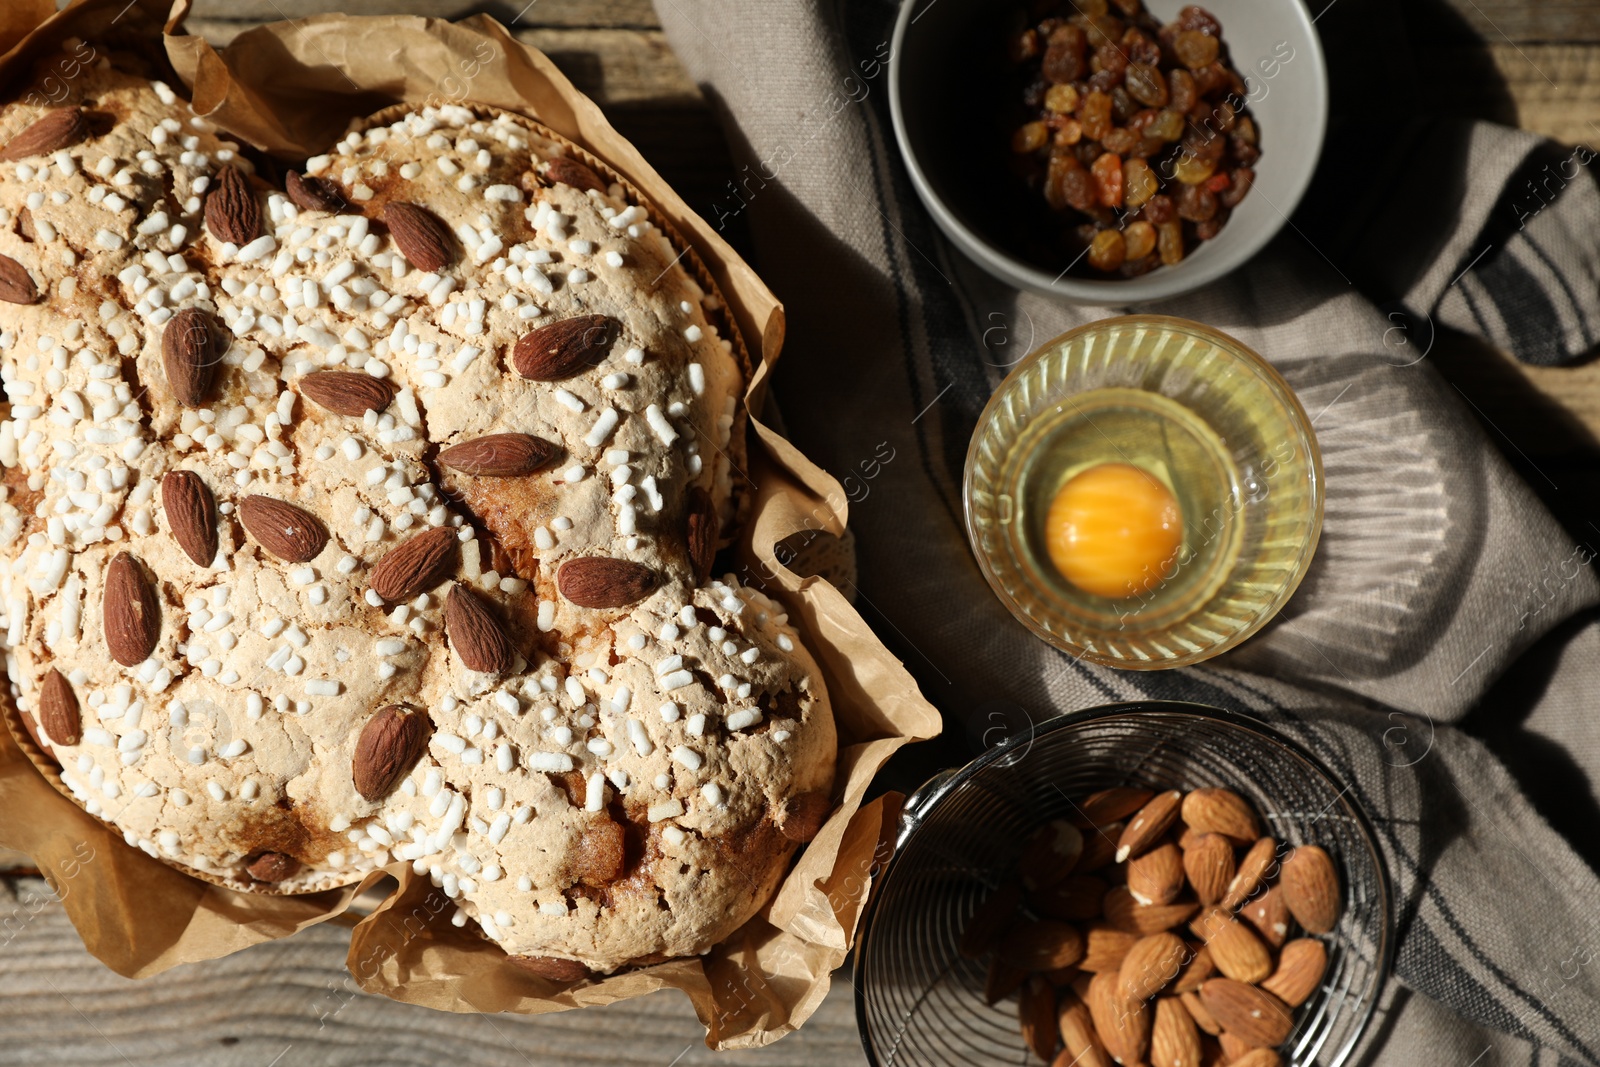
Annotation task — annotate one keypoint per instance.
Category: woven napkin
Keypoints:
(1438, 566)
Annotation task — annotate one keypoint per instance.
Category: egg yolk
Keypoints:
(1113, 530)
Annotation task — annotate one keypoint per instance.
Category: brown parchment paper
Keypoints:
(290, 89)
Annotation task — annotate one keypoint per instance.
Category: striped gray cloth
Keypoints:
(1397, 661)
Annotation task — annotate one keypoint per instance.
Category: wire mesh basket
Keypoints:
(920, 1002)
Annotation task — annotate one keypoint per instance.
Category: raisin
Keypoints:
(1102, 29)
(1202, 144)
(1167, 126)
(1245, 129)
(1147, 147)
(1077, 188)
(1196, 203)
(1224, 117)
(1033, 95)
(1160, 209)
(1069, 131)
(1169, 239)
(1132, 268)
(1246, 154)
(1120, 140)
(1199, 20)
(1130, 8)
(1191, 169)
(1095, 114)
(1239, 184)
(1110, 57)
(1030, 137)
(1195, 49)
(1140, 48)
(1062, 99)
(1107, 251)
(1090, 8)
(1208, 229)
(1103, 81)
(1123, 106)
(1182, 90)
(1139, 183)
(1107, 171)
(1023, 47)
(1140, 239)
(1061, 164)
(1064, 58)
(1210, 78)
(1145, 84)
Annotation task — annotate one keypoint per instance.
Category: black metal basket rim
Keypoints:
(942, 785)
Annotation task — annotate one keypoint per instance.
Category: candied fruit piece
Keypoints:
(1139, 239)
(1107, 251)
(1107, 171)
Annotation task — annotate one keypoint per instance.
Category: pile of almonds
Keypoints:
(1158, 928)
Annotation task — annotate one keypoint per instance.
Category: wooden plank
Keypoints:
(291, 1002)
(1521, 21)
(627, 14)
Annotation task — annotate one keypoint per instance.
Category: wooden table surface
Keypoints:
(1535, 63)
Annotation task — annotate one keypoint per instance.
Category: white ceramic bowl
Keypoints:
(934, 77)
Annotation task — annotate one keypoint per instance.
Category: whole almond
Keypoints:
(59, 714)
(313, 194)
(414, 566)
(130, 612)
(563, 348)
(1076, 1026)
(191, 349)
(1109, 806)
(700, 534)
(1151, 964)
(1197, 1011)
(1258, 1018)
(1208, 862)
(1257, 1057)
(287, 531)
(1050, 853)
(603, 582)
(1311, 888)
(1269, 915)
(1300, 968)
(499, 455)
(1237, 953)
(1125, 913)
(1173, 1039)
(1042, 945)
(1221, 811)
(232, 213)
(1123, 1024)
(191, 515)
(475, 633)
(58, 129)
(1233, 1047)
(273, 867)
(1076, 898)
(347, 392)
(16, 284)
(991, 919)
(550, 968)
(389, 746)
(1157, 876)
(570, 172)
(421, 236)
(601, 853)
(1196, 971)
(1099, 847)
(1257, 865)
(1036, 1013)
(1002, 980)
(1149, 824)
(1105, 947)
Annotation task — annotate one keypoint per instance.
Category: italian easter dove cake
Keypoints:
(368, 517)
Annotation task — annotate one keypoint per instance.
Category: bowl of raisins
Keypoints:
(1108, 151)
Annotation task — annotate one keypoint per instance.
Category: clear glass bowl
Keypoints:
(919, 1001)
(1205, 414)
